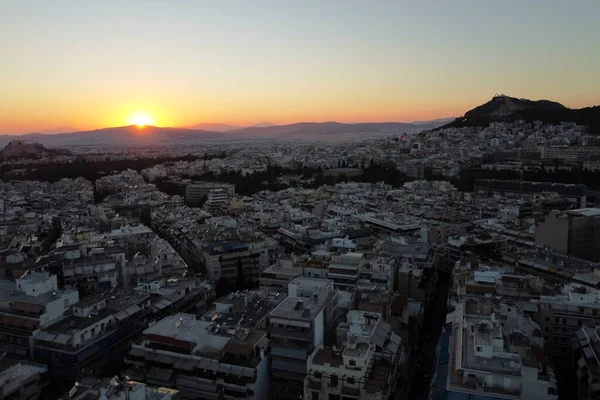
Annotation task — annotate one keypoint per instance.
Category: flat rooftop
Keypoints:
(41, 299)
(585, 212)
(300, 308)
(204, 337)
(326, 355)
(501, 363)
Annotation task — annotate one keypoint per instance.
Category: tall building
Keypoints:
(304, 321)
(215, 200)
(365, 364)
(573, 232)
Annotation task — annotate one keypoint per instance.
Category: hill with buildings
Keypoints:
(20, 149)
(503, 108)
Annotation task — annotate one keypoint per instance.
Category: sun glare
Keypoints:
(140, 119)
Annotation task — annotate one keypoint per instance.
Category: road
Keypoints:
(424, 356)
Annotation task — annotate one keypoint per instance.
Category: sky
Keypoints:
(77, 65)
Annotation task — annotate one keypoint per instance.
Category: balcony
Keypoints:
(317, 385)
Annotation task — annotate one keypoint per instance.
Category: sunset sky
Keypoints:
(77, 65)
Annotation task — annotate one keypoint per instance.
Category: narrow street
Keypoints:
(423, 358)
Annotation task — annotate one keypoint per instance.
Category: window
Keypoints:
(594, 312)
(547, 319)
(334, 381)
(509, 309)
(479, 349)
(352, 362)
(350, 381)
(66, 302)
(315, 396)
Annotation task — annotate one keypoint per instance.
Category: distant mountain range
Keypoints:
(218, 127)
(499, 108)
(508, 109)
(151, 135)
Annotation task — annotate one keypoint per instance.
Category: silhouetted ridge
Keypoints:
(509, 109)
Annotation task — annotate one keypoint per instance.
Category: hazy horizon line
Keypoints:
(63, 130)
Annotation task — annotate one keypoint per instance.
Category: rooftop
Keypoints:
(202, 337)
(326, 355)
(298, 308)
(481, 331)
(585, 212)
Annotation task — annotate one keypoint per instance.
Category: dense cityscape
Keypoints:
(457, 261)
(299, 200)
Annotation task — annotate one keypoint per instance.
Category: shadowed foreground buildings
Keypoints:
(365, 364)
(20, 379)
(93, 340)
(222, 355)
(116, 389)
(297, 326)
(27, 305)
(484, 355)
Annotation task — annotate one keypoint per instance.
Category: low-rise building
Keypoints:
(345, 269)
(114, 388)
(202, 359)
(94, 339)
(20, 379)
(277, 277)
(27, 305)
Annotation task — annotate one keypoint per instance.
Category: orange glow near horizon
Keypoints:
(141, 119)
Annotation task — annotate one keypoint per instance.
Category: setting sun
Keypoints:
(140, 119)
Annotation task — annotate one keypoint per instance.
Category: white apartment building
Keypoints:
(27, 305)
(485, 360)
(365, 364)
(216, 200)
